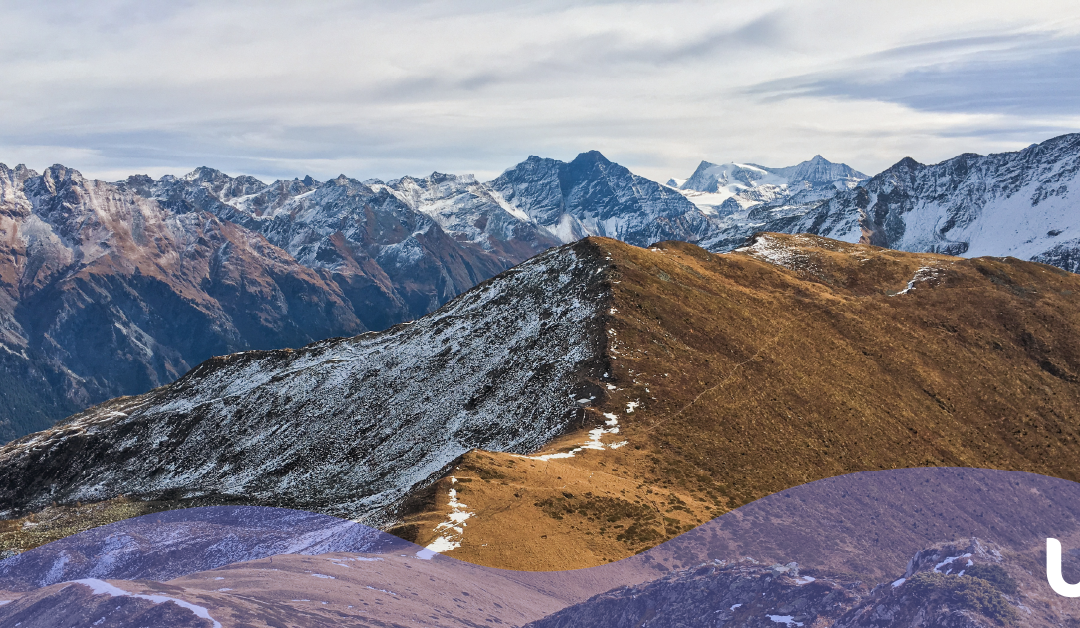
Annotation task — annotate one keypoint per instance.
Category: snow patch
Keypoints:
(926, 273)
(947, 561)
(100, 587)
(595, 441)
(452, 529)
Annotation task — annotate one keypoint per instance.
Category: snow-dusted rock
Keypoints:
(345, 426)
(1008, 204)
(744, 198)
(594, 196)
(396, 250)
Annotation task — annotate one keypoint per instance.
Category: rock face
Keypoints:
(1014, 204)
(345, 426)
(105, 293)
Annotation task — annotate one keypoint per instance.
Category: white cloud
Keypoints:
(385, 89)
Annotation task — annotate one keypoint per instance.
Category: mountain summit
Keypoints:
(592, 196)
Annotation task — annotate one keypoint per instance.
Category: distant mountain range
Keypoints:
(111, 289)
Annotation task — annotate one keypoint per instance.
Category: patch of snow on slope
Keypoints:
(595, 441)
(100, 587)
(452, 530)
(926, 273)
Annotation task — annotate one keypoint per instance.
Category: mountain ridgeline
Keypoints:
(344, 426)
(111, 289)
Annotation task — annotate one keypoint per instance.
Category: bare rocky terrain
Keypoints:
(344, 426)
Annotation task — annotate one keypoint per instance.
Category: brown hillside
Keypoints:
(795, 359)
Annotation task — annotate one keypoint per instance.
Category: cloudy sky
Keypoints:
(383, 89)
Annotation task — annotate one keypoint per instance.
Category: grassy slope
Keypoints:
(754, 378)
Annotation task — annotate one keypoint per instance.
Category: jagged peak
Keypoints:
(204, 173)
(439, 177)
(907, 163)
(592, 156)
(59, 173)
(345, 182)
(20, 171)
(530, 163)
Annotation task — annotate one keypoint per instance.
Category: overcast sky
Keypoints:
(384, 89)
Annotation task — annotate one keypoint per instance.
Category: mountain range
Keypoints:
(115, 288)
(569, 410)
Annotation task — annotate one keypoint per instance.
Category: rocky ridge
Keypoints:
(345, 426)
(397, 251)
(797, 358)
(386, 252)
(607, 396)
